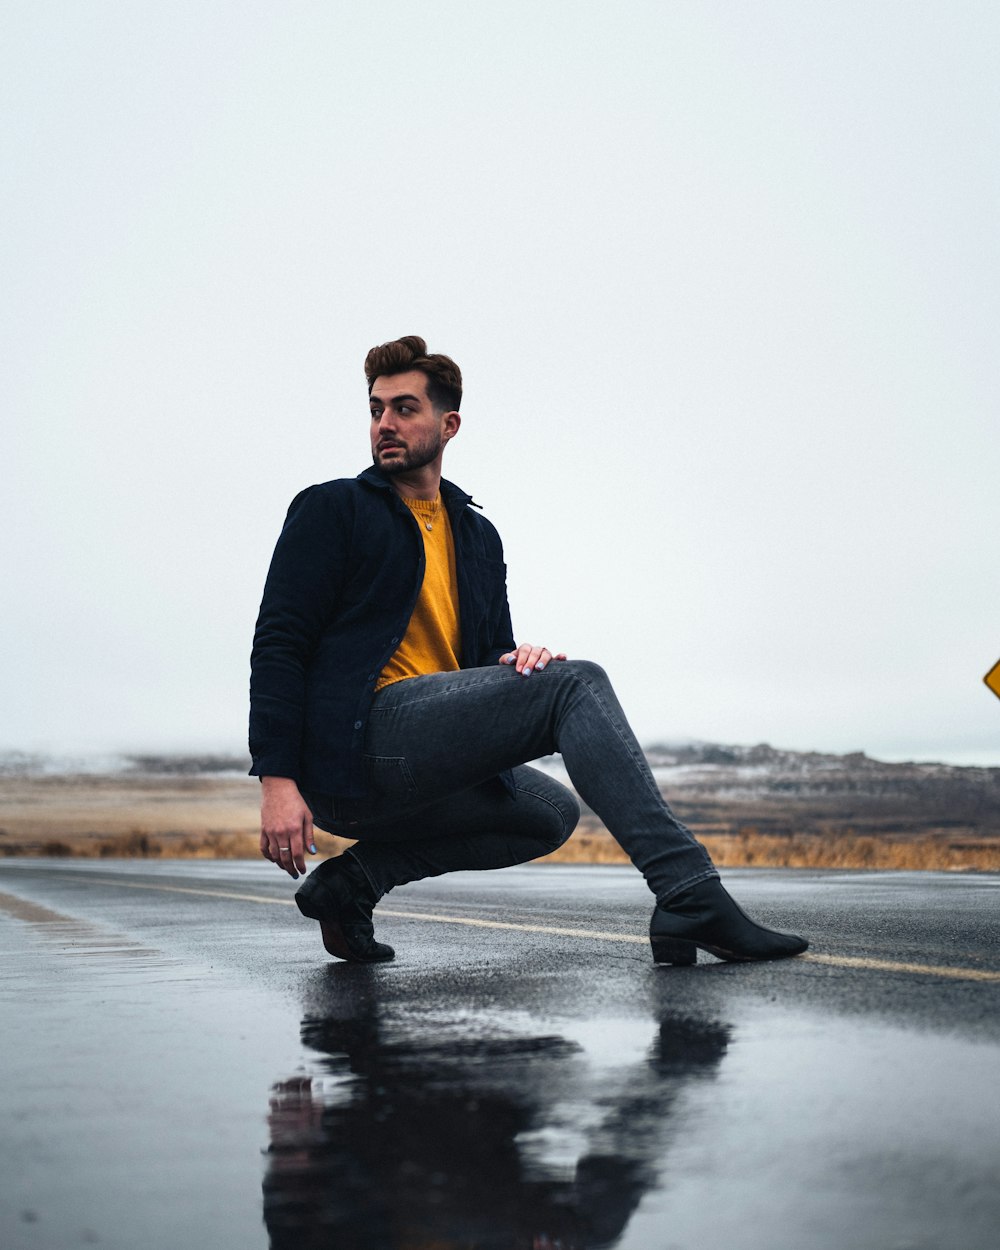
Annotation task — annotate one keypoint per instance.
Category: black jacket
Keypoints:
(343, 583)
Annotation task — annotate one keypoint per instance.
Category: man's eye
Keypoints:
(376, 413)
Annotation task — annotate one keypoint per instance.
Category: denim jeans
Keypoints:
(435, 745)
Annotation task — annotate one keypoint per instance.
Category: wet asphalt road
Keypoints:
(182, 1066)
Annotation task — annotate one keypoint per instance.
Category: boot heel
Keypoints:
(312, 898)
(668, 950)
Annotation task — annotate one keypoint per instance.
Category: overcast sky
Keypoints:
(722, 279)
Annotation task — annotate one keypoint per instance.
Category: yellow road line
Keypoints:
(183, 889)
(836, 961)
(599, 934)
(888, 965)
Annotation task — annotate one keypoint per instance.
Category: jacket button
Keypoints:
(357, 724)
(394, 641)
(371, 676)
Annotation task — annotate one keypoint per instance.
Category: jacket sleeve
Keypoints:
(300, 596)
(503, 635)
(501, 638)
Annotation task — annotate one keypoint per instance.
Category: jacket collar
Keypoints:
(452, 495)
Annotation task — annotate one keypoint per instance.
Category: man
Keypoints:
(390, 703)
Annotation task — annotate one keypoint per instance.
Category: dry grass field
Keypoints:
(206, 817)
(139, 816)
(749, 848)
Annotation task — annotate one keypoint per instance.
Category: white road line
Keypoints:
(836, 961)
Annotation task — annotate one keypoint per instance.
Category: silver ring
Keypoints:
(284, 848)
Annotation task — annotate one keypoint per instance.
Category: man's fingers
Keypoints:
(286, 830)
(525, 663)
(293, 854)
(528, 658)
(286, 858)
(302, 839)
(285, 850)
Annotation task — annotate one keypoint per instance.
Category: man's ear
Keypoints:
(450, 423)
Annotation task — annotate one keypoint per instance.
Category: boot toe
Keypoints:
(705, 917)
(354, 944)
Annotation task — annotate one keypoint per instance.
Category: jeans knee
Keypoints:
(564, 815)
(550, 812)
(588, 671)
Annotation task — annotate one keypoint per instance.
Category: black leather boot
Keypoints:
(705, 915)
(338, 894)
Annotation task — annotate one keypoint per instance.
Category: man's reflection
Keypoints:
(424, 1135)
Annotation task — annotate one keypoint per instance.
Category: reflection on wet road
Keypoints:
(182, 1065)
(435, 1130)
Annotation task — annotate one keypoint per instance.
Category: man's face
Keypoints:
(407, 432)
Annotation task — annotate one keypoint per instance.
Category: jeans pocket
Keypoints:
(390, 777)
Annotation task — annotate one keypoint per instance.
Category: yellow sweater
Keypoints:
(433, 637)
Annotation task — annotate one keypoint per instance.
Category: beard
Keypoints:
(405, 459)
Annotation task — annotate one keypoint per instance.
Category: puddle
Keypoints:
(832, 1133)
(775, 1130)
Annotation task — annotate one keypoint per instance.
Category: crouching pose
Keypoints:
(390, 703)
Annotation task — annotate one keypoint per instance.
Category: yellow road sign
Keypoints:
(992, 679)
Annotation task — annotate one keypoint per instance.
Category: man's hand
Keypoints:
(286, 829)
(527, 658)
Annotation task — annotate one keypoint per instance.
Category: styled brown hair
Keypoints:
(444, 378)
